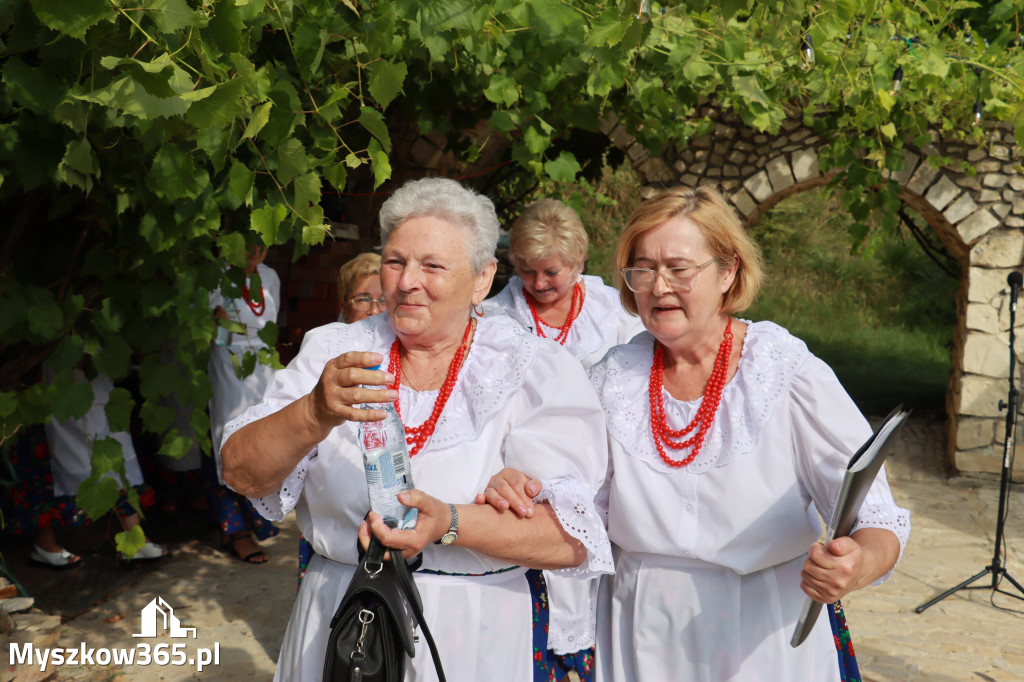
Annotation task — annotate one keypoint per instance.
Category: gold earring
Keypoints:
(480, 312)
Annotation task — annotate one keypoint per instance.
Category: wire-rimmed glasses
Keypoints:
(641, 280)
(363, 302)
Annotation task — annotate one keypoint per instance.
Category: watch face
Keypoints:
(448, 538)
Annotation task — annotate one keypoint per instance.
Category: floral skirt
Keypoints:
(232, 512)
(848, 670)
(547, 665)
(27, 501)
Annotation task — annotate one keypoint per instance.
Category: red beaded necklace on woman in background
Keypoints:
(416, 436)
(705, 416)
(259, 305)
(563, 331)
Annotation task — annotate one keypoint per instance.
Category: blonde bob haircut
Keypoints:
(351, 272)
(548, 228)
(725, 237)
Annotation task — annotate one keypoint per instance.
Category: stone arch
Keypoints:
(979, 217)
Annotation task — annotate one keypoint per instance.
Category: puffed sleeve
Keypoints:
(560, 439)
(288, 385)
(828, 428)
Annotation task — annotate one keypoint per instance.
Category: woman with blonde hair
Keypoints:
(359, 292)
(728, 439)
(551, 298)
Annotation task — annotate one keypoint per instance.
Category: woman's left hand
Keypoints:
(848, 563)
(831, 572)
(432, 522)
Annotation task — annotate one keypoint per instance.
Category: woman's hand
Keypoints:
(432, 522)
(511, 489)
(848, 563)
(342, 386)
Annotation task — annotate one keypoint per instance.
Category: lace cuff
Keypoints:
(275, 506)
(575, 509)
(889, 517)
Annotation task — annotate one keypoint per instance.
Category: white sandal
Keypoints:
(149, 552)
(58, 560)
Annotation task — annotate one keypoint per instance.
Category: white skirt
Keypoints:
(677, 619)
(482, 625)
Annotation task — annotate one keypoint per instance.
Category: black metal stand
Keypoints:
(996, 569)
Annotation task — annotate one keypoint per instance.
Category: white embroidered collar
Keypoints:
(494, 368)
(596, 325)
(770, 357)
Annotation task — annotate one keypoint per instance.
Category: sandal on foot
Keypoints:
(250, 558)
(58, 560)
(148, 552)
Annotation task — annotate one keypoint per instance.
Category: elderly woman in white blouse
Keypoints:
(551, 298)
(484, 395)
(727, 439)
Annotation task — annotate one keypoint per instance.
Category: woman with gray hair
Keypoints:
(486, 395)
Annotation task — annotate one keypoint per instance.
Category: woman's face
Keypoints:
(680, 319)
(355, 307)
(548, 280)
(428, 283)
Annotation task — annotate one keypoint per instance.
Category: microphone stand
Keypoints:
(996, 568)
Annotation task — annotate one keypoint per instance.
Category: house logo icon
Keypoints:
(157, 615)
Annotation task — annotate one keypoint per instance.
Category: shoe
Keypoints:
(149, 552)
(58, 560)
(257, 557)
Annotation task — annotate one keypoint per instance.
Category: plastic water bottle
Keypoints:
(387, 466)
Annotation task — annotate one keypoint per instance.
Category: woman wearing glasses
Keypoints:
(359, 289)
(727, 439)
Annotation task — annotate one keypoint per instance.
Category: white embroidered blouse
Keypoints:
(601, 323)
(519, 402)
(777, 450)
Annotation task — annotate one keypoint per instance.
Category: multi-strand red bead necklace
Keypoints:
(416, 436)
(563, 331)
(257, 307)
(705, 413)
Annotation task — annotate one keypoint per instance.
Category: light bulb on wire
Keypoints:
(897, 79)
(977, 113)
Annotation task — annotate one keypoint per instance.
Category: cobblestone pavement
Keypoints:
(970, 635)
(243, 609)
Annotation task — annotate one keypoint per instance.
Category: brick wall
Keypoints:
(309, 292)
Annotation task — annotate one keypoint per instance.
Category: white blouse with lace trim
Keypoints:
(781, 400)
(601, 324)
(519, 401)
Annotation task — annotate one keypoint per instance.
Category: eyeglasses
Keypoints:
(641, 280)
(363, 302)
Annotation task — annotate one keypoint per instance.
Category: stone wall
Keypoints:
(979, 217)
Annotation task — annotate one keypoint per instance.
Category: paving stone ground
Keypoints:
(970, 636)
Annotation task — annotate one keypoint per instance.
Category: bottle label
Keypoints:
(374, 435)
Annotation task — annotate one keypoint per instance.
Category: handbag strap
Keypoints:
(412, 595)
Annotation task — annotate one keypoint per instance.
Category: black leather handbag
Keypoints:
(372, 632)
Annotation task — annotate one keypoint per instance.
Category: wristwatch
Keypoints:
(453, 529)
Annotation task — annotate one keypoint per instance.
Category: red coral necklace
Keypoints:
(563, 331)
(416, 436)
(663, 435)
(257, 306)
